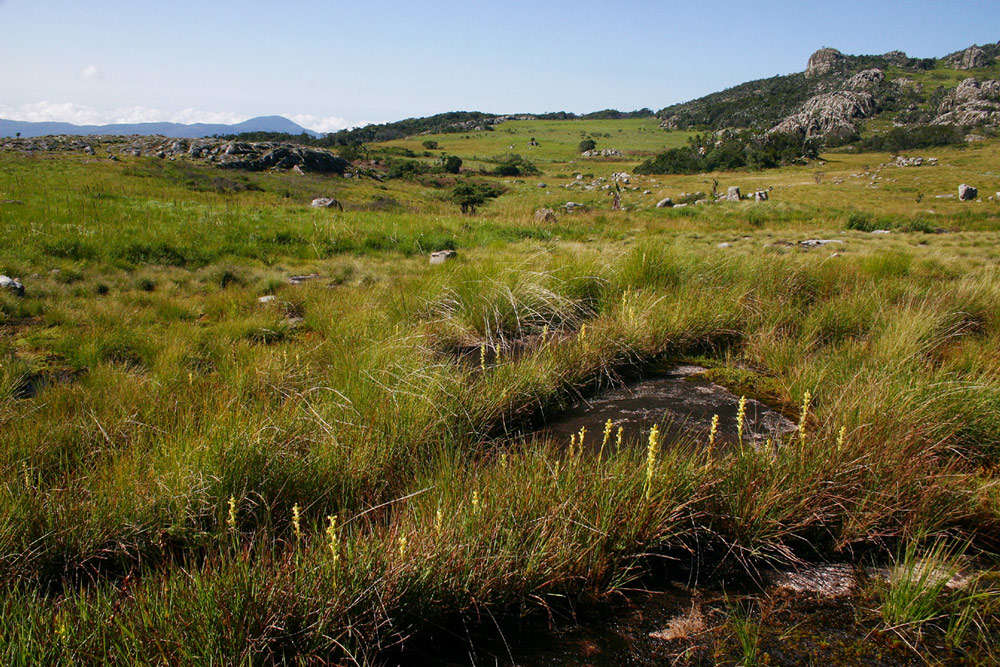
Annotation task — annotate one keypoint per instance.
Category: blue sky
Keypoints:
(335, 64)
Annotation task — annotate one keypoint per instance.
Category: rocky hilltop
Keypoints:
(248, 156)
(837, 92)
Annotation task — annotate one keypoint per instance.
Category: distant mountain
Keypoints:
(10, 128)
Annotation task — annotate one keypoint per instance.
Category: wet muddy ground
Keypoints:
(677, 399)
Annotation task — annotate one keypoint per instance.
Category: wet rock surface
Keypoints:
(682, 403)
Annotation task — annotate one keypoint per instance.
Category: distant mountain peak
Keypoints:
(10, 128)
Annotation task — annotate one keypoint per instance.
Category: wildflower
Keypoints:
(740, 418)
(402, 545)
(331, 536)
(713, 431)
(583, 332)
(579, 440)
(805, 416)
(618, 438)
(841, 437)
(545, 333)
(231, 519)
(604, 441)
(482, 357)
(297, 521)
(475, 502)
(651, 452)
(438, 521)
(503, 460)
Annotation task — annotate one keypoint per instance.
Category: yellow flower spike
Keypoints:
(579, 440)
(438, 521)
(503, 460)
(604, 441)
(402, 546)
(713, 431)
(841, 437)
(805, 416)
(545, 333)
(651, 452)
(231, 518)
(475, 502)
(740, 418)
(297, 521)
(618, 438)
(482, 357)
(331, 536)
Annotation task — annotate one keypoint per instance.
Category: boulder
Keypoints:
(298, 280)
(326, 202)
(830, 115)
(12, 284)
(967, 192)
(545, 215)
(971, 103)
(824, 61)
(572, 206)
(815, 243)
(733, 193)
(970, 58)
(542, 185)
(666, 202)
(442, 256)
(760, 195)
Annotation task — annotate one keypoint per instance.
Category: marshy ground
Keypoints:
(342, 473)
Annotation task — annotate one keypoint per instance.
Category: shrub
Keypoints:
(861, 222)
(470, 195)
(453, 164)
(587, 145)
(430, 144)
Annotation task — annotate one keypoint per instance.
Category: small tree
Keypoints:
(587, 145)
(452, 164)
(470, 195)
(430, 145)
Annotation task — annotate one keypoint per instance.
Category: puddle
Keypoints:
(683, 405)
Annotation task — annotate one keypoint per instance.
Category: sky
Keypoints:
(330, 65)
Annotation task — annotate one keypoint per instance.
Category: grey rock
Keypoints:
(733, 193)
(545, 215)
(572, 206)
(967, 192)
(971, 103)
(326, 202)
(442, 256)
(542, 185)
(824, 61)
(12, 284)
(666, 202)
(760, 195)
(970, 58)
(298, 280)
(815, 243)
(829, 115)
(267, 298)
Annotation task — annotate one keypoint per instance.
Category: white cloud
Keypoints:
(90, 72)
(321, 123)
(79, 114)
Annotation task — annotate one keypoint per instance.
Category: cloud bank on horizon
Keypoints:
(80, 114)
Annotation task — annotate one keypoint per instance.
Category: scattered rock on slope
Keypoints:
(971, 103)
(967, 192)
(12, 284)
(831, 115)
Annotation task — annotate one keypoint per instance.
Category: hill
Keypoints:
(837, 94)
(10, 128)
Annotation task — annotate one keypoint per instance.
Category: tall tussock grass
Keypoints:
(203, 493)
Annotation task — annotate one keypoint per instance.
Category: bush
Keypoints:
(470, 195)
(908, 138)
(587, 145)
(515, 165)
(453, 164)
(861, 222)
(430, 144)
(712, 152)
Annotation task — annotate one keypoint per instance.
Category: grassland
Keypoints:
(193, 475)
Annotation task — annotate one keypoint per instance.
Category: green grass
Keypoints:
(161, 388)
